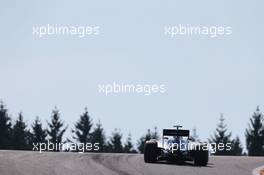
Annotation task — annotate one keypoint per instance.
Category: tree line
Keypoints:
(254, 135)
(18, 135)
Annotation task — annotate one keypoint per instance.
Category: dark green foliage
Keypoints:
(21, 138)
(98, 136)
(55, 130)
(221, 135)
(5, 128)
(155, 134)
(82, 128)
(128, 147)
(115, 143)
(236, 147)
(255, 135)
(149, 135)
(39, 134)
(142, 140)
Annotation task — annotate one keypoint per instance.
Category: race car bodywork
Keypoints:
(176, 146)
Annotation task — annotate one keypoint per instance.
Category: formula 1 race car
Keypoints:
(176, 146)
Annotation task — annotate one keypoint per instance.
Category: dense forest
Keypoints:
(19, 135)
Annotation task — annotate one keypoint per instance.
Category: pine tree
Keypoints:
(128, 147)
(39, 134)
(115, 143)
(98, 136)
(142, 140)
(20, 134)
(194, 136)
(255, 135)
(236, 147)
(155, 133)
(55, 130)
(149, 135)
(5, 128)
(221, 136)
(82, 128)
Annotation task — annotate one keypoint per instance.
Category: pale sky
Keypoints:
(203, 76)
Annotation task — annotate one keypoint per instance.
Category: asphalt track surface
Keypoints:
(34, 163)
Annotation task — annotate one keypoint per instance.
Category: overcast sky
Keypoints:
(203, 76)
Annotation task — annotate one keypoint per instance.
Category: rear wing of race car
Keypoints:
(175, 132)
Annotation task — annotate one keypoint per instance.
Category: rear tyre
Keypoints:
(150, 151)
(201, 157)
